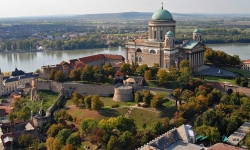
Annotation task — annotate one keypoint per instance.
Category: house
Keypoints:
(246, 64)
(3, 114)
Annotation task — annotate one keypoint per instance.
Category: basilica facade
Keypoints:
(160, 46)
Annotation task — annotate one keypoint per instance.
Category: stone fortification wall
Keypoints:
(40, 121)
(123, 93)
(87, 89)
(49, 85)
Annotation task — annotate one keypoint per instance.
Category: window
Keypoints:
(140, 59)
(154, 34)
(166, 65)
(138, 50)
(152, 52)
(161, 34)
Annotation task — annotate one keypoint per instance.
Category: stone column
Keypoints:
(199, 55)
(190, 60)
(202, 58)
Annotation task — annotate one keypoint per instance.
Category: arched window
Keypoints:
(140, 59)
(152, 52)
(136, 58)
(138, 50)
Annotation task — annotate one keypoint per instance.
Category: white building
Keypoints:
(246, 65)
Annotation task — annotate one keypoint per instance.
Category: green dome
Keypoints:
(162, 14)
(169, 34)
(197, 31)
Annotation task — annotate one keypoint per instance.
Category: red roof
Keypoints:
(92, 58)
(248, 61)
(79, 64)
(114, 57)
(119, 73)
(7, 109)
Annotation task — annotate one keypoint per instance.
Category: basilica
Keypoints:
(160, 46)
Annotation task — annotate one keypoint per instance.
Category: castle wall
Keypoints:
(40, 121)
(88, 89)
(49, 85)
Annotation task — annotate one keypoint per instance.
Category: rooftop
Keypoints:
(238, 135)
(223, 146)
(190, 45)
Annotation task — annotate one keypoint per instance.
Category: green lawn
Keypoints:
(108, 102)
(48, 97)
(237, 71)
(218, 79)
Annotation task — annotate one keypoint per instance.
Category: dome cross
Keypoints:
(162, 5)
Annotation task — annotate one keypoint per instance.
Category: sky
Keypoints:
(17, 8)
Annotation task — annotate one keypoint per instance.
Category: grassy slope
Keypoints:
(48, 97)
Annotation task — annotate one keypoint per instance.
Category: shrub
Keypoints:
(115, 105)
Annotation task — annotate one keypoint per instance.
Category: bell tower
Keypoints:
(197, 35)
(169, 40)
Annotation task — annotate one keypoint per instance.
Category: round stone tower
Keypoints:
(123, 93)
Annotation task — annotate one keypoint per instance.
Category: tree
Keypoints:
(49, 143)
(96, 103)
(157, 101)
(87, 101)
(138, 97)
(87, 73)
(211, 132)
(63, 135)
(173, 73)
(75, 74)
(68, 147)
(162, 77)
(54, 129)
(41, 146)
(59, 76)
(157, 127)
(113, 143)
(76, 97)
(73, 140)
(141, 69)
(237, 80)
(25, 140)
(125, 68)
(52, 74)
(88, 124)
(57, 144)
(25, 113)
(148, 75)
(125, 139)
(147, 96)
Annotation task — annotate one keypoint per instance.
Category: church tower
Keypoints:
(1, 83)
(169, 40)
(197, 35)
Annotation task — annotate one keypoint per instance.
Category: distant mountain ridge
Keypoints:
(148, 15)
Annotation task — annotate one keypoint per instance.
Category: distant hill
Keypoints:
(130, 16)
(148, 15)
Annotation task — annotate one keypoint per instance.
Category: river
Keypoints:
(31, 61)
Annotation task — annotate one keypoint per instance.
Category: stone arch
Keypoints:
(152, 52)
(138, 50)
(229, 91)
